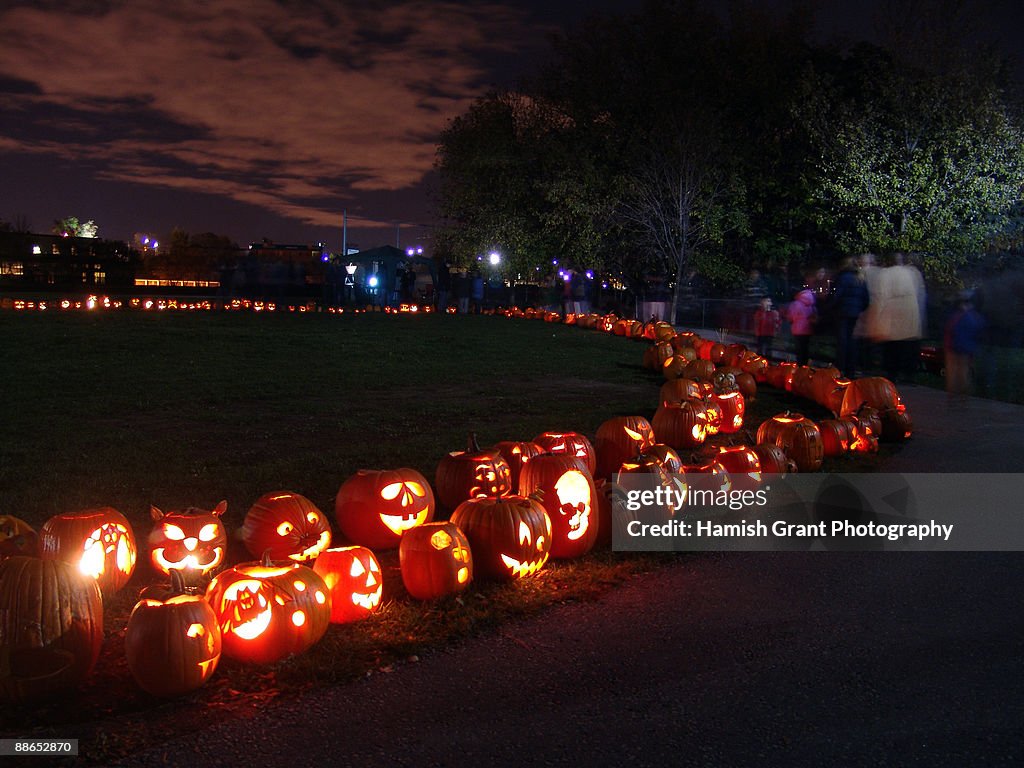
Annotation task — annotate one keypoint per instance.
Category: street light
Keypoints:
(495, 258)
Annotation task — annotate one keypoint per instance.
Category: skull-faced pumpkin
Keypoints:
(568, 495)
(287, 525)
(510, 537)
(435, 561)
(353, 578)
(192, 542)
(375, 507)
(99, 542)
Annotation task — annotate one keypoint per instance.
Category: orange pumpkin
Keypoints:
(619, 439)
(17, 538)
(375, 507)
(571, 443)
(435, 561)
(798, 436)
(470, 474)
(681, 425)
(288, 526)
(567, 493)
(510, 537)
(353, 579)
(99, 542)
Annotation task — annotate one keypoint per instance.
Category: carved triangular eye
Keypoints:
(525, 537)
(173, 532)
(208, 532)
(391, 491)
(357, 568)
(417, 489)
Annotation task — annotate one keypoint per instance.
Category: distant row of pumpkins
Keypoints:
(512, 507)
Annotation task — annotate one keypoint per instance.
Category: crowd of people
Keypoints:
(878, 315)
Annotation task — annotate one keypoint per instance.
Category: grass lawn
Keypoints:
(129, 409)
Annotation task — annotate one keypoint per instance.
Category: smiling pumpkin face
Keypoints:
(510, 537)
(375, 507)
(192, 542)
(287, 525)
(353, 577)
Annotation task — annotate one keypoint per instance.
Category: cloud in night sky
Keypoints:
(295, 107)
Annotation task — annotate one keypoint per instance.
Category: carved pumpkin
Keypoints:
(567, 493)
(571, 443)
(666, 456)
(774, 460)
(172, 644)
(715, 415)
(655, 473)
(896, 424)
(510, 537)
(99, 542)
(702, 370)
(375, 507)
(679, 389)
(51, 627)
(288, 526)
(517, 453)
(681, 425)
(268, 611)
(798, 436)
(435, 560)
(620, 439)
(17, 538)
(733, 407)
(780, 375)
(353, 578)
(471, 474)
(875, 391)
(192, 542)
(837, 435)
(674, 367)
(742, 464)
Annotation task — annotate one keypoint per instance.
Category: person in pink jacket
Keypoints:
(802, 315)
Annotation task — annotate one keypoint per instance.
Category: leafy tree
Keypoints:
(70, 226)
(914, 159)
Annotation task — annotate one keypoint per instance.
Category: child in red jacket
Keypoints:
(766, 324)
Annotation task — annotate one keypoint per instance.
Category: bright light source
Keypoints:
(494, 258)
(372, 282)
(410, 251)
(419, 250)
(156, 244)
(555, 262)
(145, 241)
(590, 274)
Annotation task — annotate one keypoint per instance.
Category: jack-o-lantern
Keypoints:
(620, 439)
(733, 407)
(288, 526)
(875, 391)
(51, 627)
(570, 444)
(675, 484)
(567, 493)
(375, 507)
(471, 474)
(510, 537)
(681, 425)
(517, 453)
(666, 456)
(679, 389)
(435, 560)
(99, 542)
(774, 460)
(896, 423)
(742, 464)
(798, 436)
(715, 415)
(17, 538)
(172, 644)
(613, 514)
(192, 542)
(353, 578)
(268, 611)
(837, 435)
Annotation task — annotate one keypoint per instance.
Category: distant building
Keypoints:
(41, 262)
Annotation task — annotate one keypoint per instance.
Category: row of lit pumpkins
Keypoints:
(51, 607)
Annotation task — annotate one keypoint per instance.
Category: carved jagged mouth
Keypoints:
(367, 601)
(520, 569)
(189, 562)
(399, 524)
(313, 551)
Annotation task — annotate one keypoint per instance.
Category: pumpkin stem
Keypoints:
(177, 583)
(472, 445)
(265, 561)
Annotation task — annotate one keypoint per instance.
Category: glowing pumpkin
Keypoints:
(267, 611)
(679, 389)
(51, 627)
(571, 444)
(774, 460)
(875, 391)
(471, 474)
(172, 644)
(733, 407)
(353, 577)
(435, 560)
(798, 436)
(375, 507)
(510, 537)
(517, 453)
(619, 439)
(742, 464)
(192, 542)
(99, 542)
(568, 495)
(288, 526)
(17, 538)
(681, 425)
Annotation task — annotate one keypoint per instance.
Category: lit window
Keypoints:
(36, 250)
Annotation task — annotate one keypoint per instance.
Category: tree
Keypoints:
(913, 159)
(70, 226)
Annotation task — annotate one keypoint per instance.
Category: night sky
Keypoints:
(256, 118)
